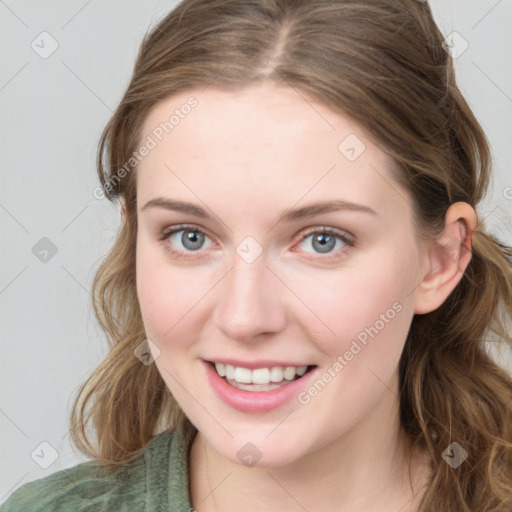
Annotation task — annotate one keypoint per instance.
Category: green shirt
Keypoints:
(156, 481)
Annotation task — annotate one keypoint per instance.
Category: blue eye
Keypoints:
(323, 241)
(191, 239)
(183, 241)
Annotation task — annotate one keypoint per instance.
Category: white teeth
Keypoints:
(276, 374)
(221, 369)
(230, 371)
(259, 375)
(289, 373)
(301, 371)
(243, 375)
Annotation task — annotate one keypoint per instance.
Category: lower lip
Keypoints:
(255, 401)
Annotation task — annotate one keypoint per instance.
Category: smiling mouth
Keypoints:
(260, 379)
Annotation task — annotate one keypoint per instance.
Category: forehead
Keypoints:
(260, 146)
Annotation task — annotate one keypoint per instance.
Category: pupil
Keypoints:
(192, 240)
(324, 246)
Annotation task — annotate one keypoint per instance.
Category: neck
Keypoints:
(364, 469)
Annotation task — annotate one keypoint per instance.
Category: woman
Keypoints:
(300, 293)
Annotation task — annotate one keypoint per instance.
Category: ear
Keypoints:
(446, 258)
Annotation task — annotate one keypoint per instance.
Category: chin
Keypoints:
(251, 449)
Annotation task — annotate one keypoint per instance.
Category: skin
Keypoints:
(246, 158)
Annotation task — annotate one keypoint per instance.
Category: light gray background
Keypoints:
(52, 114)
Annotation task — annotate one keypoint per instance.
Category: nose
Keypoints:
(250, 301)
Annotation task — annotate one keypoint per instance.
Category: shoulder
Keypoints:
(91, 486)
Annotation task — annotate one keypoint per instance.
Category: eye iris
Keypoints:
(194, 238)
(325, 245)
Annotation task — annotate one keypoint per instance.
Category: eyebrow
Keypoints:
(287, 216)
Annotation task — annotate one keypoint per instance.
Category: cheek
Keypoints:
(170, 298)
(369, 308)
(367, 302)
(364, 302)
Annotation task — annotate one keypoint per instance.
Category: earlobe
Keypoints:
(448, 257)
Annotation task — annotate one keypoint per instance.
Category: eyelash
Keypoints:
(348, 241)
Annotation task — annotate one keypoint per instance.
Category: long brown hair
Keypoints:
(382, 63)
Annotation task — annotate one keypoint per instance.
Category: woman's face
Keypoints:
(257, 279)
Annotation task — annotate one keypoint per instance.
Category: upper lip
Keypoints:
(264, 363)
